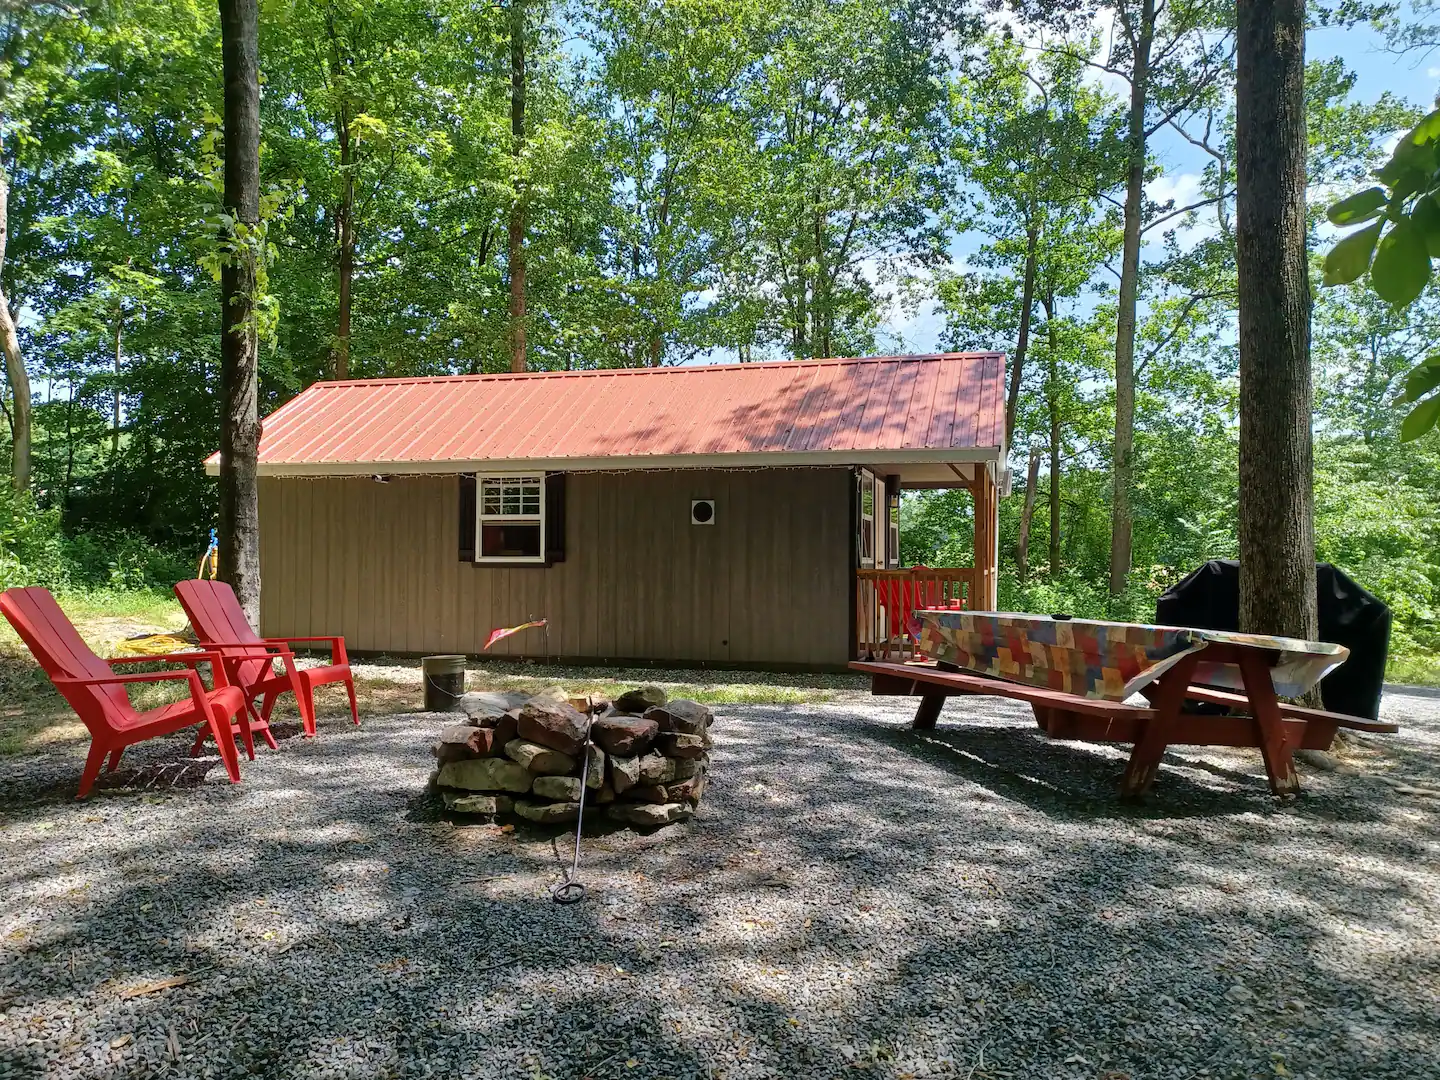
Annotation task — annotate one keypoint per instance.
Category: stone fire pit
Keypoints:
(522, 755)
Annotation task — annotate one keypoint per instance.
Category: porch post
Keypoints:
(986, 534)
(979, 546)
(994, 487)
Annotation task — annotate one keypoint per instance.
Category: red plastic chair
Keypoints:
(98, 696)
(219, 622)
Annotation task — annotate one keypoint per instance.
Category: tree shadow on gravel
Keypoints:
(1017, 761)
(148, 768)
(847, 903)
(1072, 779)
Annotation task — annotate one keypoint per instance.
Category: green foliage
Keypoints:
(1350, 258)
(34, 550)
(1377, 516)
(1399, 261)
(1362, 206)
(937, 528)
(750, 179)
(235, 243)
(1069, 593)
(31, 543)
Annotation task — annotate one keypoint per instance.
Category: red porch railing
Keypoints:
(884, 600)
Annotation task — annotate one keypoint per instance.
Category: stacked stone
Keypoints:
(520, 755)
(658, 755)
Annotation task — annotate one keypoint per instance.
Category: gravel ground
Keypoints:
(852, 900)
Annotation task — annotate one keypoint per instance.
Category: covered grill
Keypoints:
(1209, 599)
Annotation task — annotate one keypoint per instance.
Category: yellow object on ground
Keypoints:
(153, 645)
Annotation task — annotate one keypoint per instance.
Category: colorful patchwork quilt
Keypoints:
(1106, 660)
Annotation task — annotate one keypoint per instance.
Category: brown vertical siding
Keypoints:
(769, 582)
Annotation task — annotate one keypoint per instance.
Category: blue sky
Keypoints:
(1376, 70)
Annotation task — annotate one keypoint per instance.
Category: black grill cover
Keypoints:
(1209, 599)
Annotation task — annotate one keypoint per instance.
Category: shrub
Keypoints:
(34, 550)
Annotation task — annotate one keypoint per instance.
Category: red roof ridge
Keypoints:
(677, 369)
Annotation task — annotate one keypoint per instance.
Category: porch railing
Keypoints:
(884, 600)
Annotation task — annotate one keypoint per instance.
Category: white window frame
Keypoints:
(483, 518)
(866, 532)
(892, 529)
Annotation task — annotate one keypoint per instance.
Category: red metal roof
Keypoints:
(920, 407)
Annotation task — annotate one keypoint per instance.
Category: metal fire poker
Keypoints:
(571, 891)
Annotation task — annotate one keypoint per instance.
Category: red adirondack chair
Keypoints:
(219, 622)
(97, 693)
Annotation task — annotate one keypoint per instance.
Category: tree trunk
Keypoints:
(1120, 514)
(517, 208)
(1022, 342)
(823, 305)
(15, 372)
(1277, 539)
(1022, 544)
(799, 343)
(1373, 392)
(69, 449)
(345, 228)
(115, 398)
(239, 418)
(1052, 395)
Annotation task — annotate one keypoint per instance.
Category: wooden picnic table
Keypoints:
(1076, 675)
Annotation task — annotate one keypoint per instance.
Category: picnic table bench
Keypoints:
(1091, 707)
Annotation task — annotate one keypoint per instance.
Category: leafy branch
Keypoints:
(235, 243)
(1398, 259)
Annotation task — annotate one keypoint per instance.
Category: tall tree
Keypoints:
(117, 197)
(1052, 415)
(849, 113)
(1035, 141)
(516, 251)
(239, 344)
(345, 210)
(1139, 34)
(15, 372)
(35, 57)
(1172, 56)
(671, 78)
(1005, 146)
(1022, 544)
(1276, 511)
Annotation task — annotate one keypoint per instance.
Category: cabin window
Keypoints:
(510, 518)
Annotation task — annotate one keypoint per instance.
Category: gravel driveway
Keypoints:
(852, 900)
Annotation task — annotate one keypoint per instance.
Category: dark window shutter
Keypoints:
(555, 517)
(467, 517)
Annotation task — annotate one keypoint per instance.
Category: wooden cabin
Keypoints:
(734, 515)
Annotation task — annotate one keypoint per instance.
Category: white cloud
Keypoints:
(918, 329)
(1182, 189)
(913, 329)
